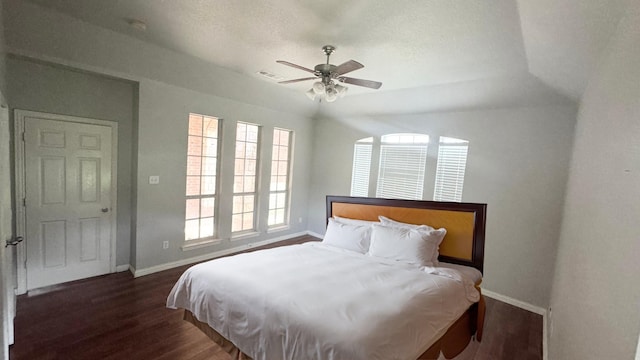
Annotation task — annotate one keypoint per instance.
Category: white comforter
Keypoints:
(313, 301)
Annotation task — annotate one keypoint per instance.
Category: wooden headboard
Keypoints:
(465, 222)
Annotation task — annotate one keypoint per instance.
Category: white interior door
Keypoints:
(67, 178)
(7, 280)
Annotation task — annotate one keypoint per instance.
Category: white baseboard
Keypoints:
(121, 268)
(511, 301)
(315, 234)
(209, 256)
(529, 307)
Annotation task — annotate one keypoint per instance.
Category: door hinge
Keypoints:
(23, 138)
(24, 202)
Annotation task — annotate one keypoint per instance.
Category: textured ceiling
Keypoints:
(404, 44)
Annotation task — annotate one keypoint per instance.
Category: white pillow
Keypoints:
(393, 223)
(350, 237)
(349, 221)
(390, 222)
(403, 244)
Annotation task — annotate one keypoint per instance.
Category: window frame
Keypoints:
(361, 172)
(445, 168)
(433, 157)
(256, 188)
(287, 190)
(401, 142)
(214, 237)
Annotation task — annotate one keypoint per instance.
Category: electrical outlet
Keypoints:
(165, 245)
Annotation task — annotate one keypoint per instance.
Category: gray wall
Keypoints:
(42, 87)
(170, 85)
(162, 150)
(3, 57)
(596, 292)
(517, 164)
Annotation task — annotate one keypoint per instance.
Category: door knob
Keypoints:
(105, 209)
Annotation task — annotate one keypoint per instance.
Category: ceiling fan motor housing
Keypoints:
(325, 69)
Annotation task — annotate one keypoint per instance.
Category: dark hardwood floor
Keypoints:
(118, 317)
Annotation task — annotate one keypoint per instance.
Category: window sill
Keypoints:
(198, 244)
(278, 228)
(245, 235)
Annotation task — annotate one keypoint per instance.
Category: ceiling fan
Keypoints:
(328, 74)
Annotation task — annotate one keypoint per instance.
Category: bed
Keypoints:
(321, 301)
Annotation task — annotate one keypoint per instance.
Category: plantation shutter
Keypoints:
(401, 174)
(361, 168)
(452, 161)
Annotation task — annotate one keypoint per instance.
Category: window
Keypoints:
(245, 178)
(361, 167)
(452, 161)
(202, 169)
(279, 188)
(402, 166)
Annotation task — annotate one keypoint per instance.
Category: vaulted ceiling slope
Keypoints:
(430, 56)
(564, 40)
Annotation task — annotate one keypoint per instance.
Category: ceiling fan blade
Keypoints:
(295, 66)
(346, 67)
(360, 82)
(296, 80)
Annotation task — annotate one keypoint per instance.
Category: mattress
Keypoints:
(313, 301)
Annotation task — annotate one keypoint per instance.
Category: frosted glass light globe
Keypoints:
(318, 88)
(332, 94)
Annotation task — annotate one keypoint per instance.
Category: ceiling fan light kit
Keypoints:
(318, 87)
(326, 73)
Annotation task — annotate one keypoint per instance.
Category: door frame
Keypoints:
(7, 295)
(20, 192)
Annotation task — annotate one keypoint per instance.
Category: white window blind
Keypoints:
(452, 161)
(361, 167)
(402, 166)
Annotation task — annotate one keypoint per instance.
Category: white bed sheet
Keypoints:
(313, 301)
(468, 272)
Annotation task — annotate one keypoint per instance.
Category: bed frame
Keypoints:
(465, 222)
(463, 244)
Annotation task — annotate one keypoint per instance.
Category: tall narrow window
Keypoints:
(361, 167)
(452, 161)
(245, 176)
(279, 188)
(202, 169)
(402, 166)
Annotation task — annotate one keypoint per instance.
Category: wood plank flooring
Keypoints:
(117, 316)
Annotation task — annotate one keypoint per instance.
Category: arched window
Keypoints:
(361, 167)
(403, 160)
(402, 167)
(452, 162)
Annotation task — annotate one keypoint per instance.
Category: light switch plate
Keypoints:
(154, 179)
